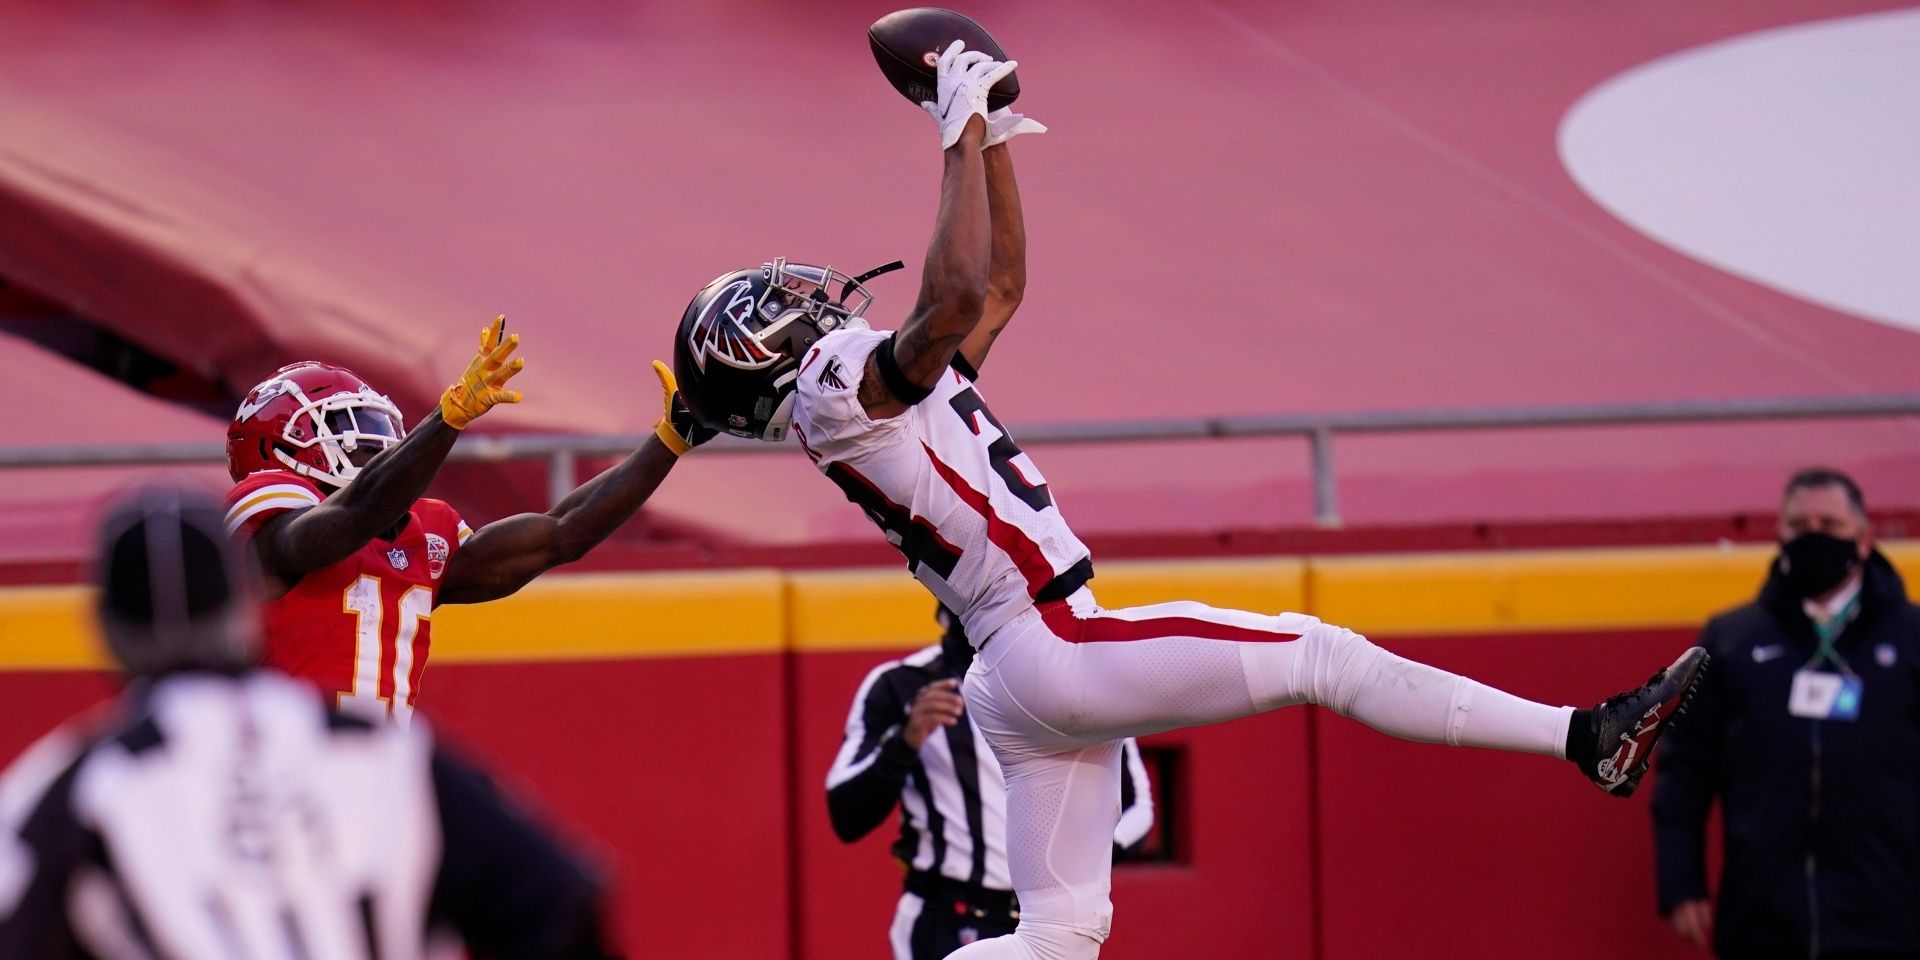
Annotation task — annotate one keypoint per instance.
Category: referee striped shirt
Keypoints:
(236, 818)
(952, 799)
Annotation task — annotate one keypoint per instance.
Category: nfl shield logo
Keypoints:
(398, 558)
(1884, 655)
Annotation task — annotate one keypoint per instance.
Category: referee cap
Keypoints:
(174, 593)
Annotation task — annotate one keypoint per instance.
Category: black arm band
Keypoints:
(898, 384)
(966, 369)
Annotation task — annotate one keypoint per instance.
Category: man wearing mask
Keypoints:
(1808, 731)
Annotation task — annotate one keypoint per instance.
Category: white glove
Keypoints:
(963, 79)
(1003, 125)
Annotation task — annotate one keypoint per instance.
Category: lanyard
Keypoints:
(1830, 631)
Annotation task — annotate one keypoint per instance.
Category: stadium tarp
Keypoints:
(1242, 207)
(50, 512)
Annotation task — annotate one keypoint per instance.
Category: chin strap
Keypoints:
(880, 270)
(305, 470)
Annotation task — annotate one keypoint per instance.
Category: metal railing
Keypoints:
(563, 451)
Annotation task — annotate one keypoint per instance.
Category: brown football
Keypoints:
(906, 44)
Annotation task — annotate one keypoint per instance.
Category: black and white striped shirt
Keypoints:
(213, 816)
(953, 802)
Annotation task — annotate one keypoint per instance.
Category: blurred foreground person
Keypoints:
(910, 743)
(1809, 734)
(215, 810)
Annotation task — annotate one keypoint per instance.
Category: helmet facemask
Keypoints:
(339, 425)
(760, 327)
(809, 290)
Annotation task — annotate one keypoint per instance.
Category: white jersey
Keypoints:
(945, 482)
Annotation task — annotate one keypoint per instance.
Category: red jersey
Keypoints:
(359, 629)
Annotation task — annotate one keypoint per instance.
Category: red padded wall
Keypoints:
(689, 778)
(673, 768)
(33, 703)
(1438, 852)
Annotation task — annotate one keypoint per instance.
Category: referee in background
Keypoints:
(908, 741)
(218, 811)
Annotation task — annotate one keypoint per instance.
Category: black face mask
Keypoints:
(1815, 563)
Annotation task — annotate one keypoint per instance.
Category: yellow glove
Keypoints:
(678, 428)
(481, 386)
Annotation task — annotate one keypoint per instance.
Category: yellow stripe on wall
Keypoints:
(1259, 584)
(617, 616)
(734, 612)
(879, 608)
(1533, 590)
(1546, 590)
(886, 609)
(48, 628)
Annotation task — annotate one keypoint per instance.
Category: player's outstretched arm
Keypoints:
(953, 286)
(1007, 263)
(505, 555)
(293, 544)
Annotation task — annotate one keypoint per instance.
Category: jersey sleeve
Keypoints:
(440, 517)
(827, 411)
(864, 783)
(446, 533)
(265, 495)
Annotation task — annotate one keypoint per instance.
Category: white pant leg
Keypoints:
(1066, 679)
(900, 935)
(1061, 812)
(1054, 692)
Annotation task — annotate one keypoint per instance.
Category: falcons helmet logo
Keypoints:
(721, 332)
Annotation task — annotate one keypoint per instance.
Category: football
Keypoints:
(907, 45)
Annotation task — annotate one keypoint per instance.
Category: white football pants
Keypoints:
(1056, 689)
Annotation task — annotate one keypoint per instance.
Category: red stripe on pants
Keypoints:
(1060, 619)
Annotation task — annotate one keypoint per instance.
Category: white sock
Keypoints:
(1417, 702)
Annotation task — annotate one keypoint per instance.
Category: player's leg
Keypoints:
(1061, 811)
(1084, 674)
(1101, 674)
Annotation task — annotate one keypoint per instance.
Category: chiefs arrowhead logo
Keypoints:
(721, 331)
(261, 396)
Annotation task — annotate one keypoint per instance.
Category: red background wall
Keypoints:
(701, 782)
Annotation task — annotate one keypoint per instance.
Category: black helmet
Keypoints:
(738, 351)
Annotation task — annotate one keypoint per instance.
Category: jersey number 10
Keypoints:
(364, 600)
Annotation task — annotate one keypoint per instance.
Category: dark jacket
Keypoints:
(1822, 818)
